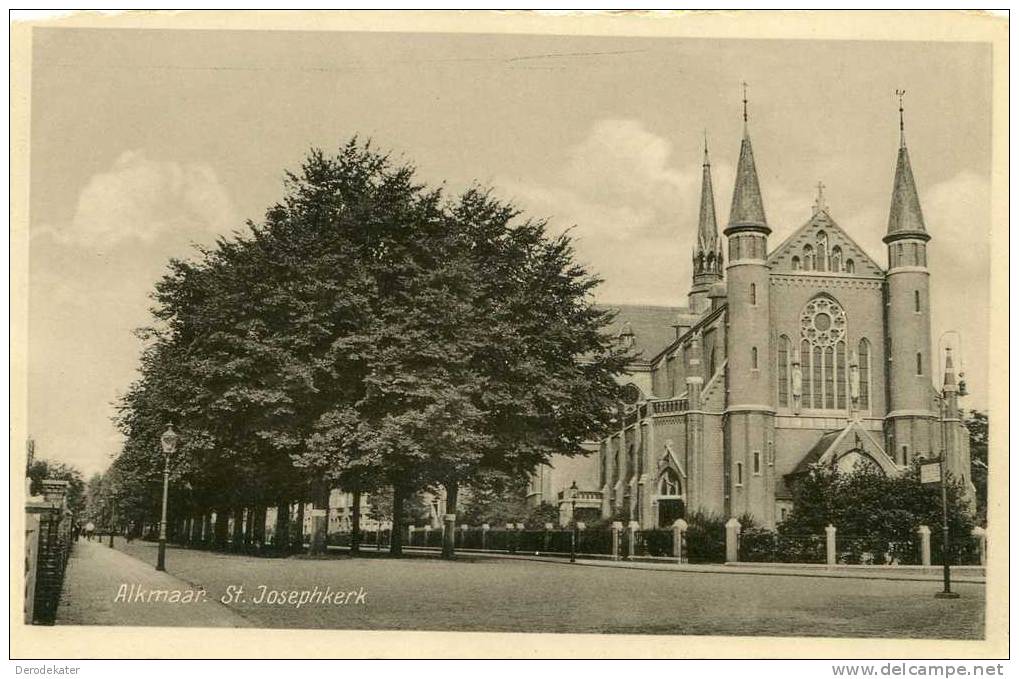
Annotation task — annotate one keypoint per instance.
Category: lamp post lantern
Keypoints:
(168, 441)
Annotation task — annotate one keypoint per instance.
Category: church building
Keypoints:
(785, 356)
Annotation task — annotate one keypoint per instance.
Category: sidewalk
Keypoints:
(970, 574)
(104, 586)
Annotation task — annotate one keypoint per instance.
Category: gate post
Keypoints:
(732, 531)
(925, 546)
(548, 536)
(617, 526)
(631, 538)
(829, 544)
(981, 536)
(679, 527)
(484, 536)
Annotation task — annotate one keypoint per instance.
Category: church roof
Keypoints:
(747, 205)
(651, 326)
(905, 216)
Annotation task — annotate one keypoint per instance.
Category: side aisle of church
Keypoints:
(809, 352)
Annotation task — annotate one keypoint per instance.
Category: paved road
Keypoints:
(488, 594)
(98, 591)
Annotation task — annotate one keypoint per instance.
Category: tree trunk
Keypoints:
(237, 541)
(282, 541)
(355, 524)
(319, 522)
(298, 537)
(449, 525)
(220, 529)
(396, 545)
(258, 527)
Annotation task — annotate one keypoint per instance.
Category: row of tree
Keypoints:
(369, 333)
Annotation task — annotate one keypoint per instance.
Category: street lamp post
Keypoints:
(949, 390)
(573, 517)
(168, 441)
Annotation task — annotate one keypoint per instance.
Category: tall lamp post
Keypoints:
(168, 441)
(573, 517)
(949, 402)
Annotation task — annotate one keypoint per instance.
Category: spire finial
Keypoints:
(819, 203)
(902, 125)
(744, 105)
(706, 161)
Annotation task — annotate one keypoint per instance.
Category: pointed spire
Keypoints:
(949, 382)
(905, 218)
(707, 225)
(747, 206)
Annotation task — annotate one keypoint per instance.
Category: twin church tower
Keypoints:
(783, 358)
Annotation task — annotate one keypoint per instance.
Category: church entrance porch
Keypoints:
(670, 509)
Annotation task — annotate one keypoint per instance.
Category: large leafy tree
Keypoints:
(371, 333)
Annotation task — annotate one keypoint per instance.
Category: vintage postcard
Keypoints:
(593, 335)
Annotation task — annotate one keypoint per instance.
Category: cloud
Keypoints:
(634, 208)
(140, 200)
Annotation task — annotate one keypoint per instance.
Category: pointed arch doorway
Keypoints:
(670, 499)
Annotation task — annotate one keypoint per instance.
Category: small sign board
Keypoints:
(930, 472)
(318, 512)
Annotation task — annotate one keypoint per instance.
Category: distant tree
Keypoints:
(542, 514)
(494, 498)
(41, 470)
(976, 423)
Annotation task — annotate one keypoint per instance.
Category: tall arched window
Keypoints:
(807, 386)
(808, 257)
(822, 251)
(850, 266)
(753, 294)
(841, 398)
(919, 363)
(864, 374)
(753, 358)
(823, 334)
(796, 263)
(784, 349)
(836, 258)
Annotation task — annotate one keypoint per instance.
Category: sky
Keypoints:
(145, 143)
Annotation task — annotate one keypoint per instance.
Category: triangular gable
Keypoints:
(781, 258)
(834, 444)
(669, 461)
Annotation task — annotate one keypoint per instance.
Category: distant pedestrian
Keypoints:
(90, 529)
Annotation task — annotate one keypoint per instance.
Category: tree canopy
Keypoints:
(369, 332)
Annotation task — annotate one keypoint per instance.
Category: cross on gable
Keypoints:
(819, 202)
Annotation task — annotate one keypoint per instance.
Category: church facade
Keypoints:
(785, 356)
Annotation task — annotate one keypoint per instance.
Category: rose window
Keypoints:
(823, 322)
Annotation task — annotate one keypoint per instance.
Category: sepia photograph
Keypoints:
(639, 329)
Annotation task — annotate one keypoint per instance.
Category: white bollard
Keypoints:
(925, 545)
(732, 531)
(829, 544)
(679, 527)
